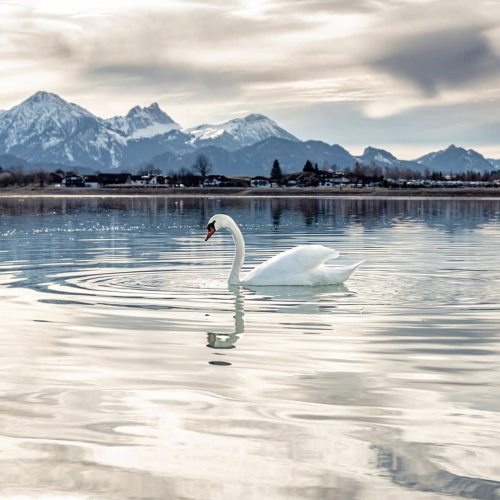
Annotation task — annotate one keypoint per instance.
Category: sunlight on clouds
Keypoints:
(318, 90)
(330, 26)
(393, 105)
(252, 8)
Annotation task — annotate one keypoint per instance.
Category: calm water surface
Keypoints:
(129, 368)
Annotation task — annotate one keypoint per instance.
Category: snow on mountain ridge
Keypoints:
(455, 159)
(375, 155)
(40, 113)
(143, 122)
(45, 127)
(238, 132)
(381, 158)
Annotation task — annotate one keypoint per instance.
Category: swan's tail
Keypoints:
(340, 274)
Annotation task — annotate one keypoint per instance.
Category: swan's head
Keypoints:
(218, 222)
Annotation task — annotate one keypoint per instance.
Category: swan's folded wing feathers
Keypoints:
(297, 260)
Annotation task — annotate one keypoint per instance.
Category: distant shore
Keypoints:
(235, 192)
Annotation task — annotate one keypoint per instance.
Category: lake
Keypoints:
(129, 368)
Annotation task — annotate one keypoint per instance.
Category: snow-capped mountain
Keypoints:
(44, 127)
(455, 159)
(47, 129)
(144, 122)
(238, 133)
(375, 157)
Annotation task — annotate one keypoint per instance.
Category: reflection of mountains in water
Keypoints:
(413, 468)
(295, 213)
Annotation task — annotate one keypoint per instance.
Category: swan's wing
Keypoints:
(298, 260)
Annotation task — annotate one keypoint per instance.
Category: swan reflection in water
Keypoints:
(228, 340)
(303, 300)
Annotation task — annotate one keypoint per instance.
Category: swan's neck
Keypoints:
(239, 256)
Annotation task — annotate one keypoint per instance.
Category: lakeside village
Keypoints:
(200, 176)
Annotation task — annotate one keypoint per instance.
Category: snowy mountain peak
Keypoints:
(151, 113)
(43, 112)
(143, 122)
(238, 132)
(45, 127)
(46, 106)
(371, 151)
(378, 156)
(46, 103)
(455, 159)
(43, 96)
(255, 117)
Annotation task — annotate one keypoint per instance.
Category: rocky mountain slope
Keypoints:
(455, 159)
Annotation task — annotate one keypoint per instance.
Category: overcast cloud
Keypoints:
(406, 74)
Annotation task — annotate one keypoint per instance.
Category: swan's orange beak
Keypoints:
(211, 231)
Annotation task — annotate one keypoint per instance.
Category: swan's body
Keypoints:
(303, 265)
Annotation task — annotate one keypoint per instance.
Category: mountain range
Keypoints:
(47, 130)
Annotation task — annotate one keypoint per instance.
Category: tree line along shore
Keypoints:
(360, 179)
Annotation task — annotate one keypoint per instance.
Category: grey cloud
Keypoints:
(145, 32)
(209, 83)
(124, 56)
(449, 58)
(137, 52)
(38, 36)
(47, 46)
(333, 6)
(205, 84)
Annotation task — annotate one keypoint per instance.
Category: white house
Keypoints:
(215, 181)
(145, 180)
(333, 181)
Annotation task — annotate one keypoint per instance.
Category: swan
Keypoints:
(302, 265)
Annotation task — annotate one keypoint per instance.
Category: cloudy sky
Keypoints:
(406, 75)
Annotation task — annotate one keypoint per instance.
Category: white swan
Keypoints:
(302, 265)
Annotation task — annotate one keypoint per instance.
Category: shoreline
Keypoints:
(160, 191)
